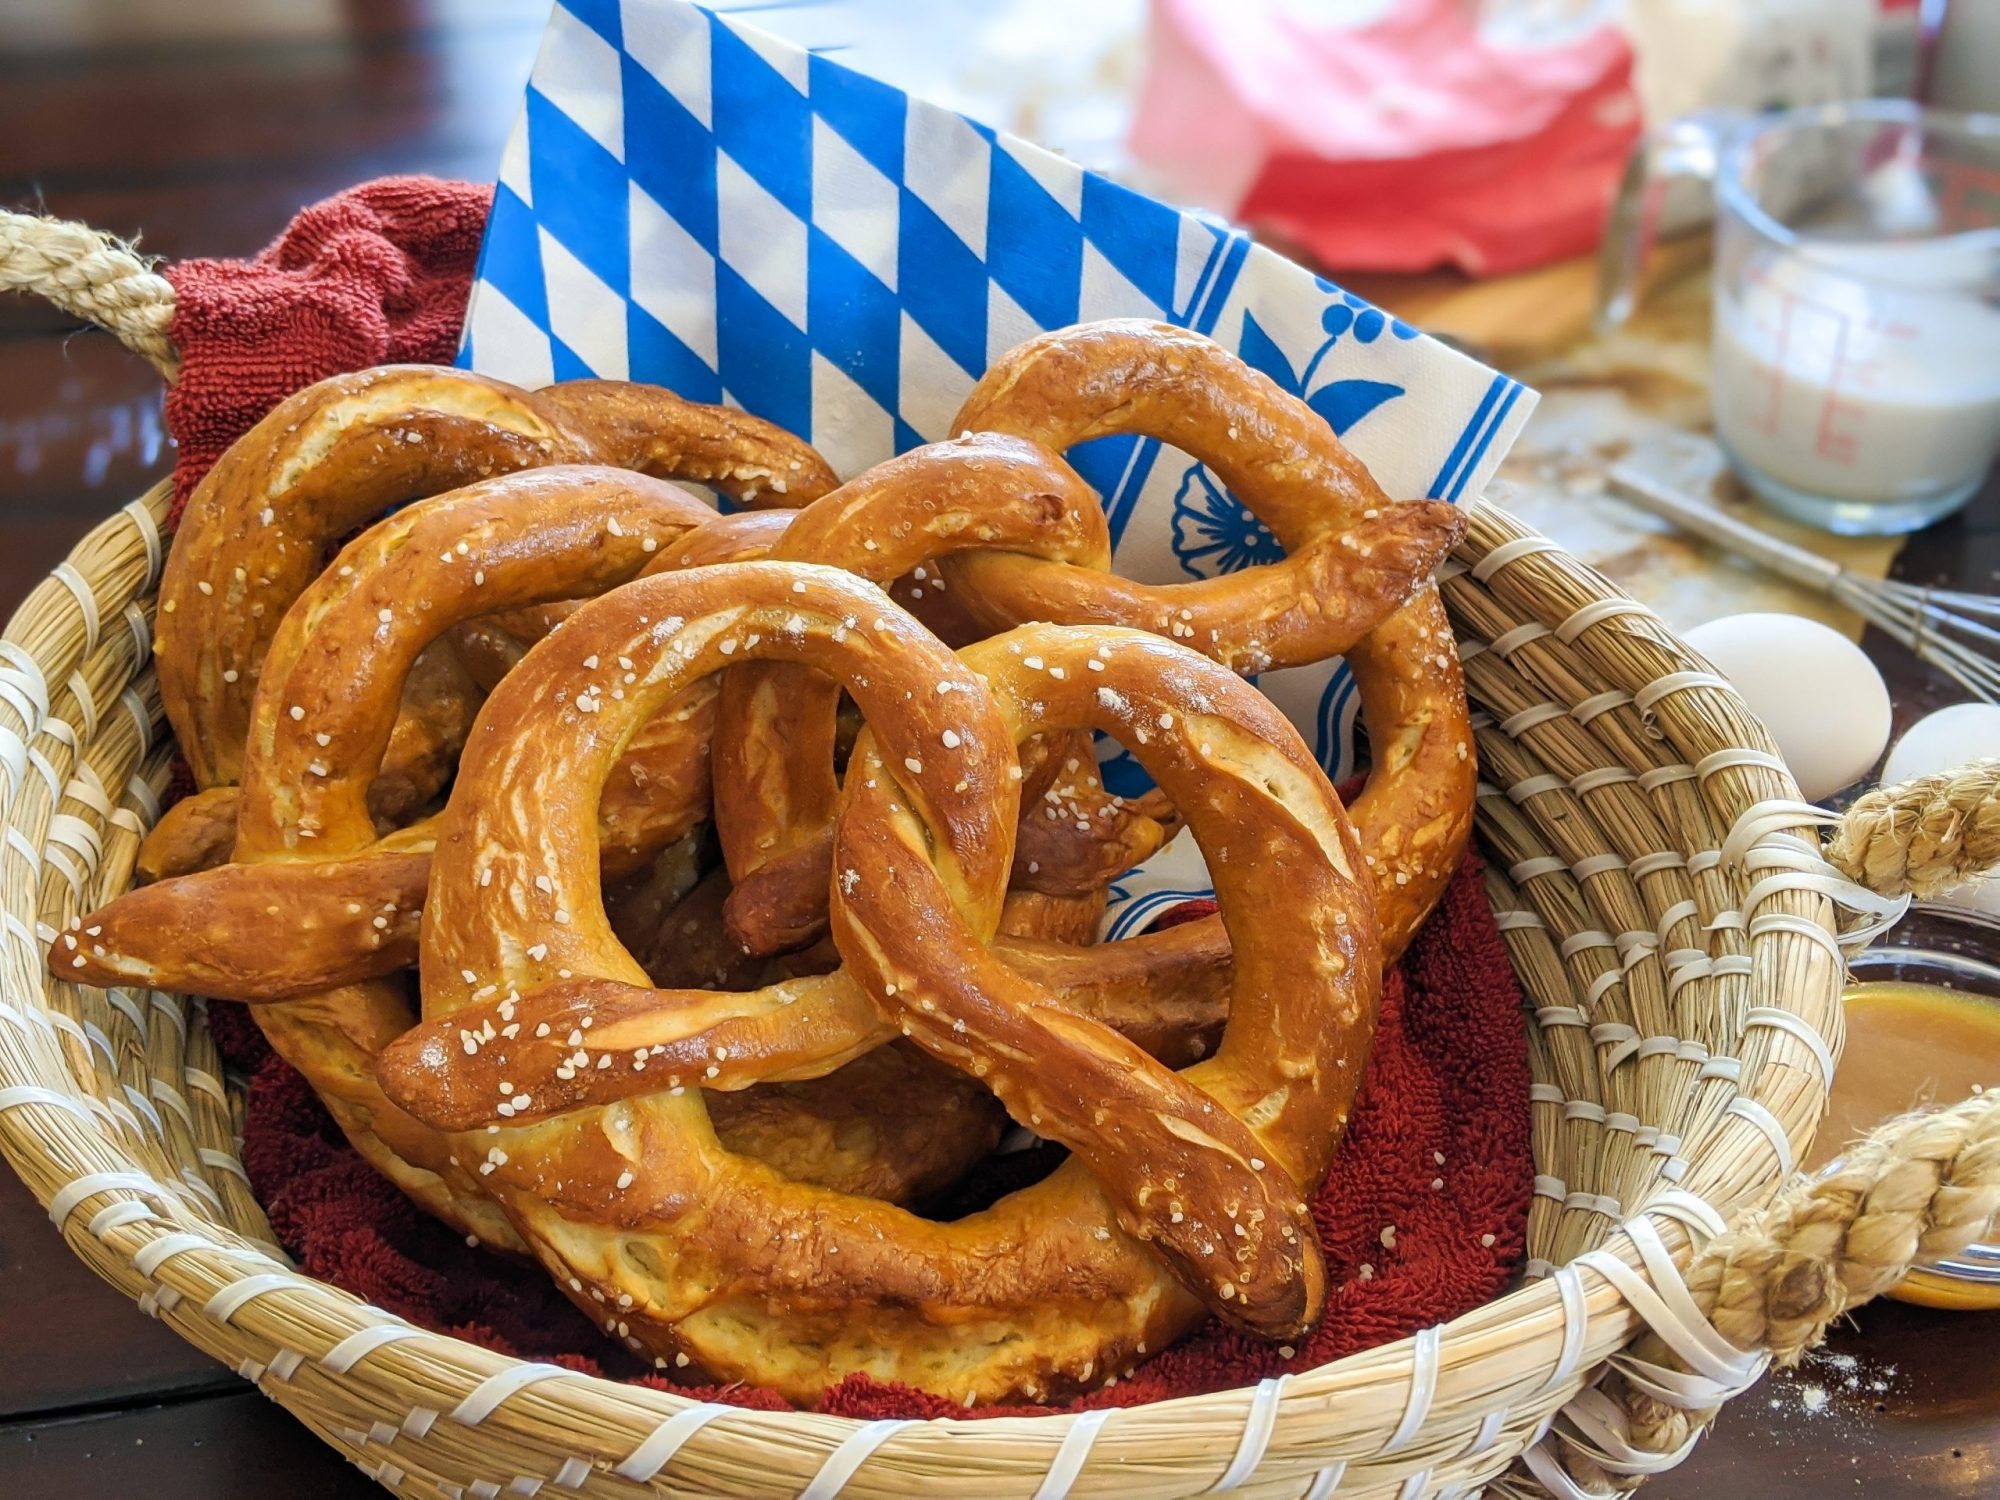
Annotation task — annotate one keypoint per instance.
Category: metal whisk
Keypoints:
(1948, 628)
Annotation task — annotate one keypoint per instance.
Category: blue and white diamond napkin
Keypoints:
(690, 201)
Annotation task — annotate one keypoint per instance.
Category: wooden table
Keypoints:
(205, 126)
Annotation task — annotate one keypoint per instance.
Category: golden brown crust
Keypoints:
(332, 457)
(581, 1089)
(309, 859)
(1352, 582)
(343, 920)
(1317, 603)
(754, 1277)
(196, 833)
(442, 695)
(1353, 555)
(1167, 992)
(1076, 837)
(258, 528)
(642, 427)
(323, 717)
(1068, 919)
(775, 782)
(893, 1124)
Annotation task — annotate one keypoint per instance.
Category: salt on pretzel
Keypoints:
(1353, 581)
(1415, 814)
(259, 526)
(1352, 556)
(1176, 1180)
(320, 723)
(307, 855)
(775, 784)
(439, 700)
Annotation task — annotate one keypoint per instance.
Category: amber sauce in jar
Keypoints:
(1909, 1046)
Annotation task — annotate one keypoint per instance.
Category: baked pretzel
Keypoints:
(979, 493)
(776, 784)
(1352, 556)
(260, 525)
(1415, 814)
(320, 723)
(1352, 580)
(307, 853)
(1184, 1191)
(439, 700)
(505, 542)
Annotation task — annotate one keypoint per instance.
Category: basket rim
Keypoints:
(243, 1306)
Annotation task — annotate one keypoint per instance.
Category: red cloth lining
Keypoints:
(377, 275)
(1437, 1148)
(1448, 1078)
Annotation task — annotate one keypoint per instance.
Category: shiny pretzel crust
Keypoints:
(1414, 817)
(1190, 1186)
(759, 1278)
(775, 786)
(308, 859)
(1353, 581)
(320, 724)
(332, 457)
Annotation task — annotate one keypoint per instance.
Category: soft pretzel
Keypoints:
(1177, 1181)
(307, 854)
(320, 723)
(1354, 557)
(776, 784)
(332, 457)
(977, 493)
(1414, 816)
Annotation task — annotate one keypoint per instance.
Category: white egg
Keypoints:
(1816, 691)
(1944, 741)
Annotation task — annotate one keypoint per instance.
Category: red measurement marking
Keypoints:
(1835, 442)
(1776, 400)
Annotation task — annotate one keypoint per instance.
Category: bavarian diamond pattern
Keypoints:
(690, 201)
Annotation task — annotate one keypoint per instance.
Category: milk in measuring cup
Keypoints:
(1862, 372)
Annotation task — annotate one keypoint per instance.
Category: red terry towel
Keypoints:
(378, 275)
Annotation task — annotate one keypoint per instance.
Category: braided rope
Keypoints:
(93, 276)
(1916, 1189)
(1919, 1188)
(1922, 1186)
(1924, 836)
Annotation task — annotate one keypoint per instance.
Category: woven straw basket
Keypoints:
(1670, 910)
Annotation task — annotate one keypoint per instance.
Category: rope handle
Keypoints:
(1925, 836)
(94, 276)
(1917, 1189)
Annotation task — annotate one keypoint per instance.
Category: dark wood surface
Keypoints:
(202, 127)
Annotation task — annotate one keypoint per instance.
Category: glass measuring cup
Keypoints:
(1856, 344)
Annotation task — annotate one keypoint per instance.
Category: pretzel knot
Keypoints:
(775, 783)
(307, 856)
(1185, 1191)
(1353, 581)
(333, 457)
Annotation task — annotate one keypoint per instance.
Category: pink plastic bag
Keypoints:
(1412, 141)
